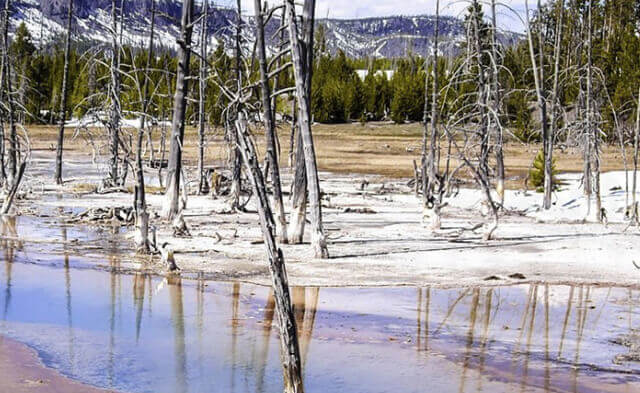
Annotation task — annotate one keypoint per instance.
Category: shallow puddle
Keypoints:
(137, 333)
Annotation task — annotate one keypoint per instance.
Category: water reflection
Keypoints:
(177, 319)
(10, 243)
(140, 333)
(555, 338)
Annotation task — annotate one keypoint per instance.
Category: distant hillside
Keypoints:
(391, 36)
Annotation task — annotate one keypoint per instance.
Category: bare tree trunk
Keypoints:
(289, 346)
(12, 159)
(3, 174)
(484, 90)
(538, 74)
(594, 147)
(299, 190)
(4, 59)
(142, 216)
(269, 125)
(422, 176)
(204, 36)
(297, 219)
(8, 201)
(276, 79)
(114, 123)
(292, 134)
(63, 94)
(548, 159)
(235, 157)
(431, 202)
(497, 99)
(318, 240)
(163, 147)
(174, 169)
(636, 142)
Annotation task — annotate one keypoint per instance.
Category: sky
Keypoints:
(344, 9)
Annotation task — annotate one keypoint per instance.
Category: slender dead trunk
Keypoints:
(591, 129)
(292, 134)
(422, 176)
(142, 216)
(318, 239)
(484, 91)
(548, 159)
(297, 218)
(63, 95)
(496, 106)
(299, 190)
(270, 127)
(163, 146)
(8, 201)
(204, 36)
(538, 76)
(276, 79)
(114, 123)
(235, 157)
(3, 174)
(289, 345)
(431, 202)
(636, 142)
(174, 169)
(3, 59)
(11, 120)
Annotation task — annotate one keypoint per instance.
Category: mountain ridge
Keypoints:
(389, 36)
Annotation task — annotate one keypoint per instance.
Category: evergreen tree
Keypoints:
(408, 91)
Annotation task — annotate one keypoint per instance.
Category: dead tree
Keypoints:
(8, 93)
(11, 194)
(538, 65)
(115, 91)
(241, 107)
(174, 169)
(142, 216)
(289, 346)
(202, 90)
(269, 126)
(4, 59)
(63, 94)
(548, 163)
(496, 105)
(468, 126)
(234, 156)
(297, 218)
(636, 142)
(299, 196)
(318, 240)
(592, 134)
(432, 183)
(482, 170)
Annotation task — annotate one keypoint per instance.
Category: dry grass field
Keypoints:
(374, 148)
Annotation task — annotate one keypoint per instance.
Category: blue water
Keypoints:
(137, 333)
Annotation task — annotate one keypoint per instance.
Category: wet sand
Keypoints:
(22, 371)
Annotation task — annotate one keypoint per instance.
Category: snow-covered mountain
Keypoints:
(381, 36)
